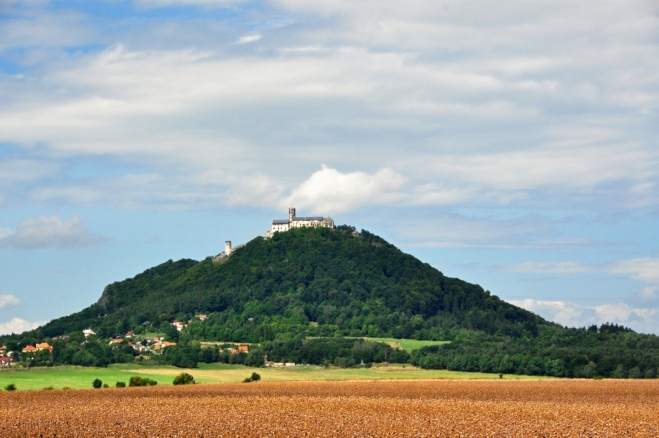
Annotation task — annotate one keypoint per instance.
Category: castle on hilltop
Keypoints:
(293, 221)
(278, 226)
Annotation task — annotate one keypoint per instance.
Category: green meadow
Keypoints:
(406, 344)
(82, 378)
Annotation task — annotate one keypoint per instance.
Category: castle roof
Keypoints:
(310, 218)
(300, 218)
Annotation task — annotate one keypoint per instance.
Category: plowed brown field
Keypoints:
(378, 409)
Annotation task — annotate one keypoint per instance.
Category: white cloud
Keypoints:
(645, 270)
(19, 325)
(574, 315)
(642, 269)
(477, 95)
(648, 293)
(551, 268)
(475, 105)
(13, 171)
(35, 27)
(249, 38)
(434, 194)
(575, 165)
(209, 3)
(562, 312)
(8, 300)
(49, 231)
(255, 190)
(430, 228)
(329, 190)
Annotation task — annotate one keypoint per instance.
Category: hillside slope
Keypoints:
(306, 281)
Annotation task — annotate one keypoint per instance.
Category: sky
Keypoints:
(511, 144)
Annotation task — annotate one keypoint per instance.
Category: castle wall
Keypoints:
(299, 222)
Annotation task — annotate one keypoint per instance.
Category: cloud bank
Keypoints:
(482, 105)
(574, 315)
(640, 312)
(8, 300)
(645, 270)
(19, 325)
(48, 231)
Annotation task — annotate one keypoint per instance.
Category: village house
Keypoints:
(179, 325)
(163, 344)
(44, 346)
(29, 349)
(88, 332)
(139, 347)
(5, 361)
(116, 341)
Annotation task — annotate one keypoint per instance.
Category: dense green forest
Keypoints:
(333, 283)
(305, 282)
(605, 351)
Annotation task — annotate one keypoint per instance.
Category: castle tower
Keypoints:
(291, 214)
(227, 247)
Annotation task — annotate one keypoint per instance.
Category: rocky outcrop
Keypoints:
(105, 296)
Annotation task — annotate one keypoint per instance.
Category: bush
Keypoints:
(120, 384)
(634, 373)
(97, 383)
(253, 378)
(135, 381)
(141, 381)
(105, 385)
(344, 362)
(184, 379)
(10, 387)
(182, 357)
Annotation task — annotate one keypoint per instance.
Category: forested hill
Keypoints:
(305, 282)
(305, 294)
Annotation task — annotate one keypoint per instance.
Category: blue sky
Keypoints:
(514, 145)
